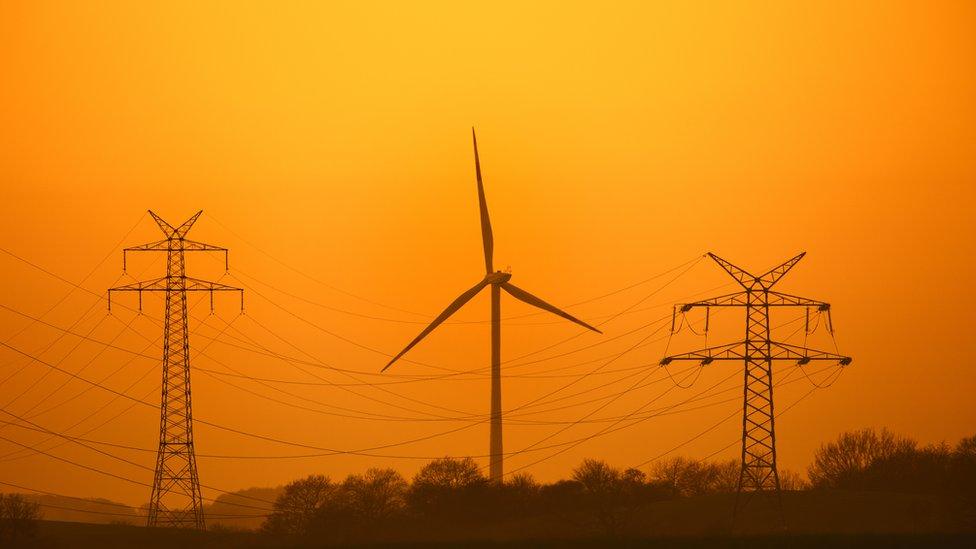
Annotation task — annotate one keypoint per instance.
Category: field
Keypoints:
(816, 519)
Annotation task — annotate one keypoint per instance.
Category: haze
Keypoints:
(616, 144)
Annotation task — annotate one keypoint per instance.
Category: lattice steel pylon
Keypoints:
(758, 471)
(175, 500)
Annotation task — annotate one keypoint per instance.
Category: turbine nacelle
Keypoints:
(497, 278)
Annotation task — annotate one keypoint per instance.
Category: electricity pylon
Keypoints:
(758, 471)
(175, 500)
(498, 281)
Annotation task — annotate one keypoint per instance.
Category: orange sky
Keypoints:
(618, 142)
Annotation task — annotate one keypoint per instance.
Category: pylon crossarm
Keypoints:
(184, 245)
(740, 275)
(731, 351)
(162, 285)
(776, 273)
(779, 299)
(159, 285)
(157, 246)
(155, 285)
(194, 246)
(737, 299)
(163, 225)
(741, 299)
(197, 285)
(185, 227)
(803, 355)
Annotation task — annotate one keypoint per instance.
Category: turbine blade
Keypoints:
(487, 239)
(451, 309)
(522, 295)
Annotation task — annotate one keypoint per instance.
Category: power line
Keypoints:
(784, 381)
(86, 277)
(367, 452)
(460, 322)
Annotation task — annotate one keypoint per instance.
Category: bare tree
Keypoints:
(966, 448)
(597, 477)
(445, 486)
(726, 478)
(295, 509)
(689, 477)
(376, 495)
(634, 476)
(700, 478)
(791, 480)
(602, 493)
(672, 473)
(449, 473)
(523, 483)
(18, 518)
(852, 453)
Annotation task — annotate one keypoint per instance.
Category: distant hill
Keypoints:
(94, 510)
(233, 510)
(230, 510)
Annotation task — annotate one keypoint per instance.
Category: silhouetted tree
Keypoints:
(634, 476)
(447, 487)
(638, 490)
(688, 477)
(561, 498)
(791, 480)
(450, 499)
(597, 477)
(963, 468)
(841, 464)
(298, 506)
(18, 518)
(966, 448)
(671, 473)
(726, 478)
(520, 494)
(602, 493)
(449, 473)
(375, 496)
(523, 483)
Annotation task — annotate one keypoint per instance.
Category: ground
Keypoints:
(816, 519)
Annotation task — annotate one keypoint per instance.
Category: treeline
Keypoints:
(451, 497)
(882, 461)
(864, 481)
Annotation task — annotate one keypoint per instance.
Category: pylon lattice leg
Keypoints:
(176, 500)
(758, 473)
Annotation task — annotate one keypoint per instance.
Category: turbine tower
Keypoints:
(498, 281)
(758, 472)
(175, 500)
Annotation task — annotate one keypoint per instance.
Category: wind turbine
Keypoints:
(498, 281)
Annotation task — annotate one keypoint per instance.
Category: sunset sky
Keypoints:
(329, 147)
